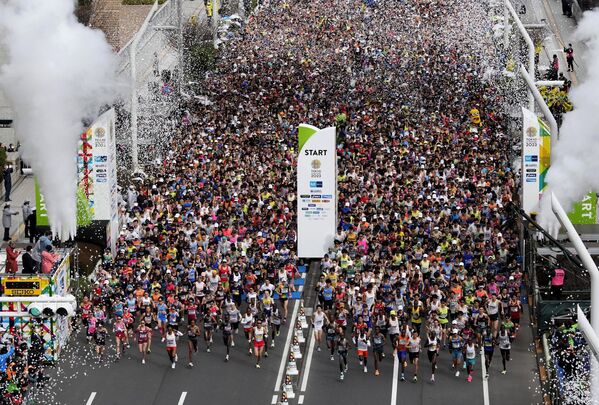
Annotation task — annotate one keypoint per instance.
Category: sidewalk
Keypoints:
(561, 30)
(22, 192)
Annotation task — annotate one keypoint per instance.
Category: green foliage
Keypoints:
(202, 58)
(141, 2)
(84, 214)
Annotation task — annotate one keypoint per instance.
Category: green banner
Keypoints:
(41, 214)
(585, 211)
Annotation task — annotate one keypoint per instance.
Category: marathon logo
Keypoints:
(315, 183)
(529, 175)
(304, 209)
(327, 196)
(326, 201)
(531, 170)
(305, 196)
(531, 158)
(311, 205)
(315, 152)
(315, 195)
(315, 201)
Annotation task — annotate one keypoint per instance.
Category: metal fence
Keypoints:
(156, 63)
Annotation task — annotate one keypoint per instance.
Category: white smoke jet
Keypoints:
(59, 72)
(574, 160)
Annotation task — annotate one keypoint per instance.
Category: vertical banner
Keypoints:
(316, 191)
(536, 151)
(584, 212)
(41, 213)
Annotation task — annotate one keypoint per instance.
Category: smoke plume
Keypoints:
(574, 163)
(59, 73)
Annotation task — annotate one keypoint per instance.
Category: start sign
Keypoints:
(23, 286)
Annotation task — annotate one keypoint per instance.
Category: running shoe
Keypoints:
(332, 357)
(162, 340)
(469, 379)
(272, 344)
(433, 378)
(318, 349)
(233, 343)
(403, 378)
(278, 333)
(345, 370)
(143, 361)
(190, 364)
(257, 365)
(504, 372)
(149, 351)
(227, 357)
(342, 376)
(176, 357)
(365, 369)
(376, 372)
(173, 365)
(207, 350)
(415, 379)
(457, 373)
(360, 362)
(265, 354)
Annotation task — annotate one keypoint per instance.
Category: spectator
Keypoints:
(29, 263)
(48, 260)
(11, 258)
(27, 211)
(7, 182)
(7, 215)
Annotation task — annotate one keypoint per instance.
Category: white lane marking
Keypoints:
(308, 362)
(283, 364)
(275, 398)
(300, 401)
(483, 367)
(395, 375)
(91, 399)
(182, 399)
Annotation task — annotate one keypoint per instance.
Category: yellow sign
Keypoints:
(23, 286)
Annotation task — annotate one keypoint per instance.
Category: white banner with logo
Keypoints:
(316, 191)
(104, 174)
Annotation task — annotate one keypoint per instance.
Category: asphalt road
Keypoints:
(212, 380)
(519, 386)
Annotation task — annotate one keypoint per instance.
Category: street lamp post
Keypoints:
(591, 268)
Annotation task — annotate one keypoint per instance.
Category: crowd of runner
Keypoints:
(422, 261)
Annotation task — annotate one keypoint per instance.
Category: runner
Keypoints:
(362, 343)
(470, 355)
(100, 336)
(319, 319)
(258, 335)
(401, 348)
(331, 337)
(378, 344)
(342, 350)
(193, 331)
(161, 315)
(505, 344)
(227, 329)
(456, 346)
(120, 334)
(209, 322)
(247, 322)
(171, 338)
(414, 353)
(489, 343)
(432, 345)
(275, 324)
(143, 334)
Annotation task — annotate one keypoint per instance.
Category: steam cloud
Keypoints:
(574, 167)
(59, 72)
